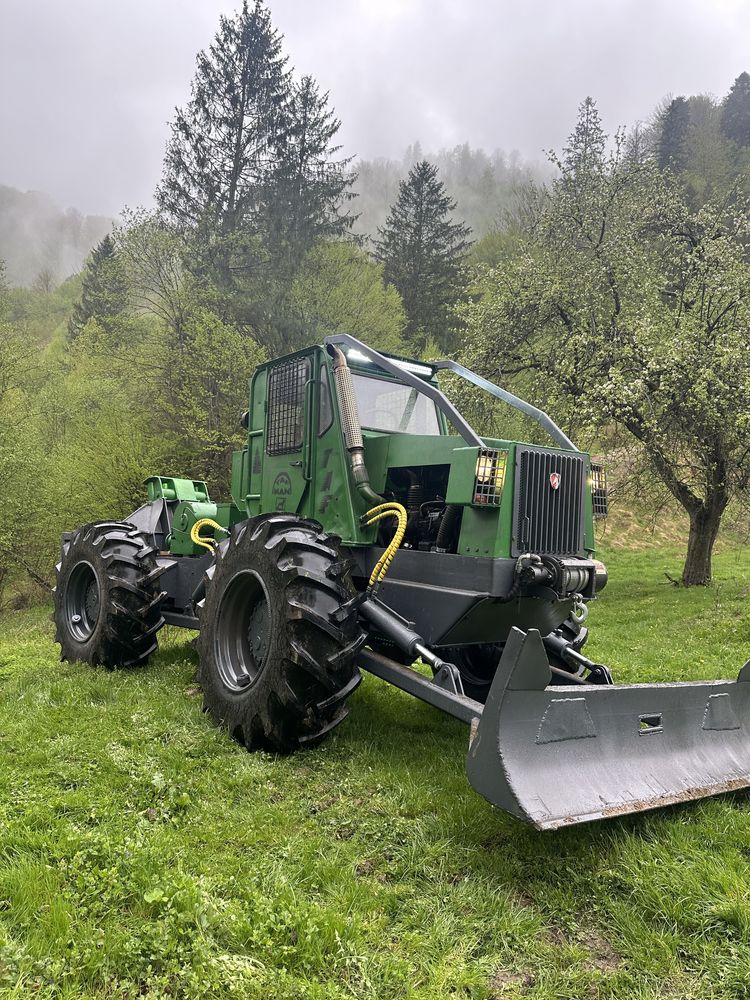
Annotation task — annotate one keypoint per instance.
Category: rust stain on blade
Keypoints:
(673, 798)
(642, 805)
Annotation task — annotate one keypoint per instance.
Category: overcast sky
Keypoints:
(87, 86)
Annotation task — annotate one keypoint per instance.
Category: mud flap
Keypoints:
(563, 755)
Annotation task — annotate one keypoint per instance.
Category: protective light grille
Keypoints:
(490, 477)
(286, 406)
(599, 499)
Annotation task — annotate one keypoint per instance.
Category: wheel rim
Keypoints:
(82, 602)
(243, 631)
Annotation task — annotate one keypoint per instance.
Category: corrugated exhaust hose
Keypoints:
(351, 426)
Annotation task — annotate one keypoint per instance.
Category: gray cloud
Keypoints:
(87, 87)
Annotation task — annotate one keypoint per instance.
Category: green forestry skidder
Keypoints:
(371, 527)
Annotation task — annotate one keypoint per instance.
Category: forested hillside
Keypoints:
(483, 185)
(610, 286)
(41, 243)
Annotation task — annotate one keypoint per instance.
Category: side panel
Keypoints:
(486, 531)
(334, 501)
(394, 451)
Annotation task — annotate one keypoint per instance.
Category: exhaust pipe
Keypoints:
(351, 426)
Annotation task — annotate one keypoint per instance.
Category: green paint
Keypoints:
(311, 476)
(187, 513)
(169, 488)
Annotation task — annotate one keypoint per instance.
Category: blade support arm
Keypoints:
(416, 684)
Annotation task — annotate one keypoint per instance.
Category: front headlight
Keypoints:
(490, 476)
(599, 500)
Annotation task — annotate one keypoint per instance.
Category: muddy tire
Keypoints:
(279, 635)
(107, 596)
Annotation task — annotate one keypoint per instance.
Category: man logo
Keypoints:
(554, 480)
(282, 485)
(281, 489)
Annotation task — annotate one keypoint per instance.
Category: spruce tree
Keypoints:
(309, 186)
(584, 152)
(735, 116)
(251, 176)
(104, 290)
(673, 140)
(223, 144)
(422, 252)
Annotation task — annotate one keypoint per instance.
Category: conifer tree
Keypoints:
(586, 145)
(735, 116)
(223, 143)
(673, 140)
(104, 290)
(309, 185)
(251, 176)
(422, 252)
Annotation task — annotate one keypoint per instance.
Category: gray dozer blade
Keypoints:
(554, 756)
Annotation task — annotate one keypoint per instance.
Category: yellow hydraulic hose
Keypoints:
(378, 513)
(204, 522)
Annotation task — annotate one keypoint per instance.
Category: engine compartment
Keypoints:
(433, 524)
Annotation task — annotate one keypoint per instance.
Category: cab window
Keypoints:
(389, 406)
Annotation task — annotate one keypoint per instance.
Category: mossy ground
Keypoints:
(142, 853)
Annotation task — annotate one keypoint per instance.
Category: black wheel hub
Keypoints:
(478, 663)
(243, 631)
(82, 602)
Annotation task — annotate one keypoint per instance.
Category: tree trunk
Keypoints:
(704, 527)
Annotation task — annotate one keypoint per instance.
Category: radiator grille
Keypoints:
(548, 502)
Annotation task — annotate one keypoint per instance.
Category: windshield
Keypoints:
(388, 406)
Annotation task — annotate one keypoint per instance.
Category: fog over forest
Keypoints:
(42, 243)
(87, 124)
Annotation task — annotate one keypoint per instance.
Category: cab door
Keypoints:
(287, 461)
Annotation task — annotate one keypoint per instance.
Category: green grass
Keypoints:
(143, 854)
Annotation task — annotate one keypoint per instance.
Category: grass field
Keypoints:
(142, 854)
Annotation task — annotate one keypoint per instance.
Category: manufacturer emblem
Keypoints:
(282, 485)
(554, 480)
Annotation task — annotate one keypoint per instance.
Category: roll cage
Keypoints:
(464, 428)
